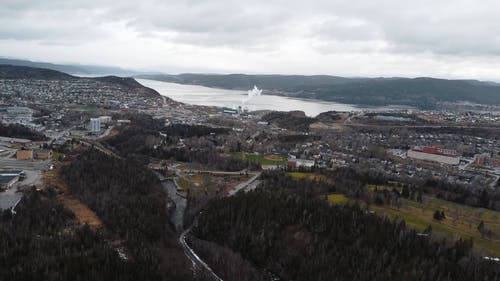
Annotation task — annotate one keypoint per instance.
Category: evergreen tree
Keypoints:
(406, 192)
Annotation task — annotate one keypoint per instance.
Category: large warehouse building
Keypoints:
(436, 154)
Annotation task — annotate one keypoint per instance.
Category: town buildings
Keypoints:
(28, 154)
(42, 154)
(486, 160)
(23, 154)
(9, 178)
(95, 125)
(300, 163)
(436, 154)
(16, 115)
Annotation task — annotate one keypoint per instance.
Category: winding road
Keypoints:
(197, 262)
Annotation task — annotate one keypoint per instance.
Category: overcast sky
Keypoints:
(441, 38)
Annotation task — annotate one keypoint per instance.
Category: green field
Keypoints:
(183, 183)
(373, 187)
(190, 181)
(87, 107)
(337, 199)
(267, 159)
(461, 221)
(300, 175)
(311, 177)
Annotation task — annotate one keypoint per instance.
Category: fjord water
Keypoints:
(199, 95)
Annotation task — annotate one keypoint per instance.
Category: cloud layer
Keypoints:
(455, 38)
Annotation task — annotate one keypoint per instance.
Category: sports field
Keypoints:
(267, 159)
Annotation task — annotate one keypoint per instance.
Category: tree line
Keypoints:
(21, 132)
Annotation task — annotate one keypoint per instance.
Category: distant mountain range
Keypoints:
(424, 93)
(92, 70)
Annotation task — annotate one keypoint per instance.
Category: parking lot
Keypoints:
(33, 171)
(14, 164)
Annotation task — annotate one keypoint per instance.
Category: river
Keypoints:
(180, 201)
(199, 95)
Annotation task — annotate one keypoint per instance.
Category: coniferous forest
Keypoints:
(129, 200)
(20, 131)
(40, 242)
(296, 236)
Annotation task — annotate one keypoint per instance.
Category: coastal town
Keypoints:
(387, 159)
(249, 140)
(402, 144)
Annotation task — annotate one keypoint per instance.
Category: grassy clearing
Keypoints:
(239, 155)
(337, 199)
(183, 183)
(267, 159)
(56, 156)
(461, 221)
(191, 181)
(197, 180)
(311, 176)
(83, 214)
(300, 175)
(88, 107)
(373, 187)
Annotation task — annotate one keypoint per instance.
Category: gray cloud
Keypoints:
(328, 27)
(446, 27)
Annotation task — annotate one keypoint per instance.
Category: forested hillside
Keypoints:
(293, 120)
(141, 140)
(421, 92)
(40, 242)
(130, 201)
(298, 237)
(20, 131)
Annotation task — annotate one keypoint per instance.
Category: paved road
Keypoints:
(24, 164)
(243, 185)
(197, 262)
(99, 147)
(106, 132)
(237, 173)
(9, 198)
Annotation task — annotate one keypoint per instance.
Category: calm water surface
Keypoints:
(199, 95)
